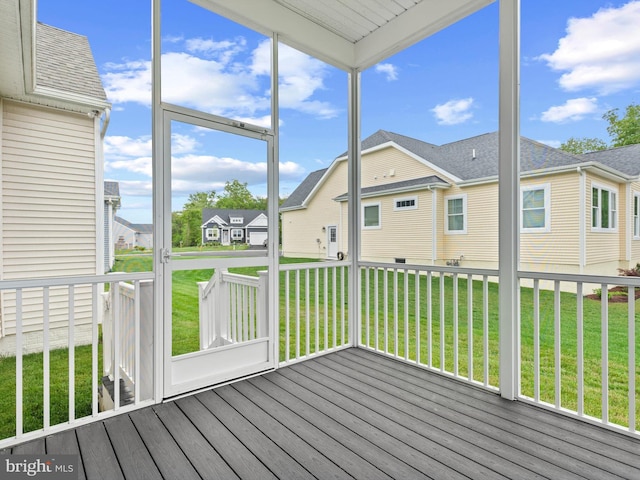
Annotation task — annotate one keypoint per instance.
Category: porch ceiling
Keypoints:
(354, 34)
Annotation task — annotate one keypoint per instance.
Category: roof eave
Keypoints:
(393, 191)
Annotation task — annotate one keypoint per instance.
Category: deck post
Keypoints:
(354, 159)
(508, 196)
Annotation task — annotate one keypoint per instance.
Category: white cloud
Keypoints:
(573, 110)
(301, 76)
(601, 52)
(388, 69)
(209, 76)
(454, 111)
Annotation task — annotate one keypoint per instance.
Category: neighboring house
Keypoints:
(52, 207)
(234, 226)
(428, 204)
(131, 235)
(111, 204)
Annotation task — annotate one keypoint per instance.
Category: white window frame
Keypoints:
(236, 220)
(635, 215)
(613, 212)
(234, 236)
(396, 208)
(547, 208)
(209, 234)
(464, 214)
(372, 227)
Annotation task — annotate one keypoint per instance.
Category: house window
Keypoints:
(408, 203)
(236, 220)
(456, 214)
(236, 234)
(636, 216)
(213, 233)
(371, 215)
(536, 208)
(604, 208)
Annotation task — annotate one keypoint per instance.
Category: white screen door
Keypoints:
(216, 321)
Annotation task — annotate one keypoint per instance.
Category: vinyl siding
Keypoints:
(603, 247)
(301, 229)
(635, 242)
(48, 208)
(404, 234)
(560, 245)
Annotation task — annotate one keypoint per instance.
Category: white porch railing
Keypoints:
(439, 318)
(579, 356)
(233, 308)
(44, 312)
(127, 324)
(314, 315)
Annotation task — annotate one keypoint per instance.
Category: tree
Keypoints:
(237, 196)
(625, 130)
(186, 231)
(578, 146)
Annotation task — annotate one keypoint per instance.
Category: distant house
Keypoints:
(429, 204)
(234, 226)
(52, 205)
(111, 204)
(131, 235)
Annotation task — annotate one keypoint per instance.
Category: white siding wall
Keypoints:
(48, 207)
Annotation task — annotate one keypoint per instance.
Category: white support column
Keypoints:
(158, 223)
(273, 179)
(354, 159)
(509, 198)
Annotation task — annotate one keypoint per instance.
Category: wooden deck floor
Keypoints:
(351, 414)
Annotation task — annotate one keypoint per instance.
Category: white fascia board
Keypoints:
(81, 102)
(602, 170)
(292, 209)
(395, 191)
(269, 17)
(426, 163)
(418, 22)
(215, 219)
(316, 187)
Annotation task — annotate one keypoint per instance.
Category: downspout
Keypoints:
(582, 240)
(628, 231)
(105, 123)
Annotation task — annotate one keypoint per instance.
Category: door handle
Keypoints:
(165, 255)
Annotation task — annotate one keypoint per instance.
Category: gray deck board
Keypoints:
(65, 443)
(133, 456)
(167, 454)
(205, 459)
(352, 414)
(589, 445)
(98, 457)
(532, 447)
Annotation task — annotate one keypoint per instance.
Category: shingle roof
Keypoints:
(625, 159)
(477, 158)
(136, 227)
(111, 189)
(303, 190)
(64, 62)
(247, 215)
(431, 180)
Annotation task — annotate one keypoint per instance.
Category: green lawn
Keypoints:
(326, 327)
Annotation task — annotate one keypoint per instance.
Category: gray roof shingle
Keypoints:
(111, 189)
(64, 62)
(477, 158)
(625, 159)
(431, 180)
(303, 190)
(136, 227)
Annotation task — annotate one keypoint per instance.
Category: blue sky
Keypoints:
(580, 58)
